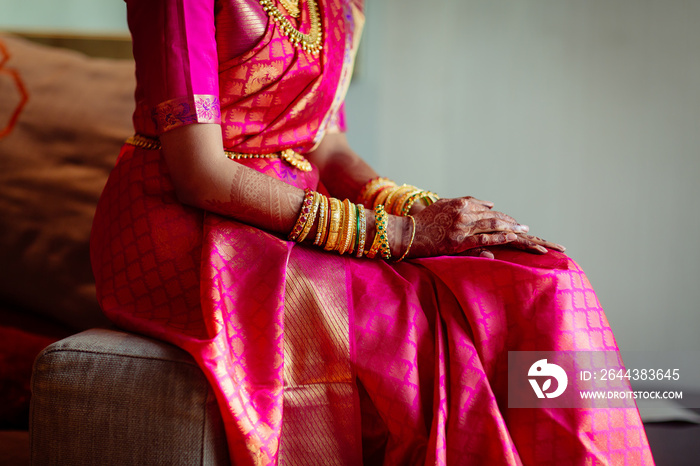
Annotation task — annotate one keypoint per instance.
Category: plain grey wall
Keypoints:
(84, 16)
(581, 119)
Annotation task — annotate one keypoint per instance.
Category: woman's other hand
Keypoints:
(452, 226)
(523, 241)
(534, 244)
(467, 226)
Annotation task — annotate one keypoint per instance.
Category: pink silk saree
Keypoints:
(317, 358)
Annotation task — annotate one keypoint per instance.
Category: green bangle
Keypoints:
(382, 219)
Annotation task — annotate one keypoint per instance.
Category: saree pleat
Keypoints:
(320, 396)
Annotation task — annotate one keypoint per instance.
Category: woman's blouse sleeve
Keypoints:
(176, 61)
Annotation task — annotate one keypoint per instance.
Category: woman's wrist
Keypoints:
(345, 227)
(400, 229)
(417, 208)
(371, 227)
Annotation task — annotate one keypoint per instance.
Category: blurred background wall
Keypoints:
(68, 16)
(580, 119)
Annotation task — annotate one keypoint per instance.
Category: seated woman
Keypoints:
(340, 317)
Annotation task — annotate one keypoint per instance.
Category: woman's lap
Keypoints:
(432, 341)
(428, 340)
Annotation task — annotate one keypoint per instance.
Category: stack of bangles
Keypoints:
(397, 200)
(342, 226)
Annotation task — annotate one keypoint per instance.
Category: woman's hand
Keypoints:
(467, 226)
(534, 244)
(452, 226)
(523, 241)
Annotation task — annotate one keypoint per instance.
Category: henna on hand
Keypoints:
(451, 226)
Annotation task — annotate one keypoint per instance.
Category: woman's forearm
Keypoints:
(205, 178)
(342, 171)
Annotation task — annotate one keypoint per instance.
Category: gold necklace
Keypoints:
(310, 42)
(291, 7)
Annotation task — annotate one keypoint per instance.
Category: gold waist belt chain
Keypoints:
(288, 155)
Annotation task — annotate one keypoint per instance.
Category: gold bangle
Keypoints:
(322, 221)
(361, 230)
(410, 243)
(326, 221)
(335, 214)
(405, 199)
(341, 228)
(427, 196)
(353, 224)
(383, 195)
(381, 237)
(348, 220)
(430, 197)
(303, 214)
(410, 200)
(391, 194)
(394, 198)
(371, 188)
(374, 249)
(371, 184)
(311, 218)
(374, 192)
(384, 248)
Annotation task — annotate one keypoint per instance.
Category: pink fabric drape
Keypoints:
(428, 339)
(433, 338)
(317, 358)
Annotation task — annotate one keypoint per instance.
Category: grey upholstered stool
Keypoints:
(105, 397)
